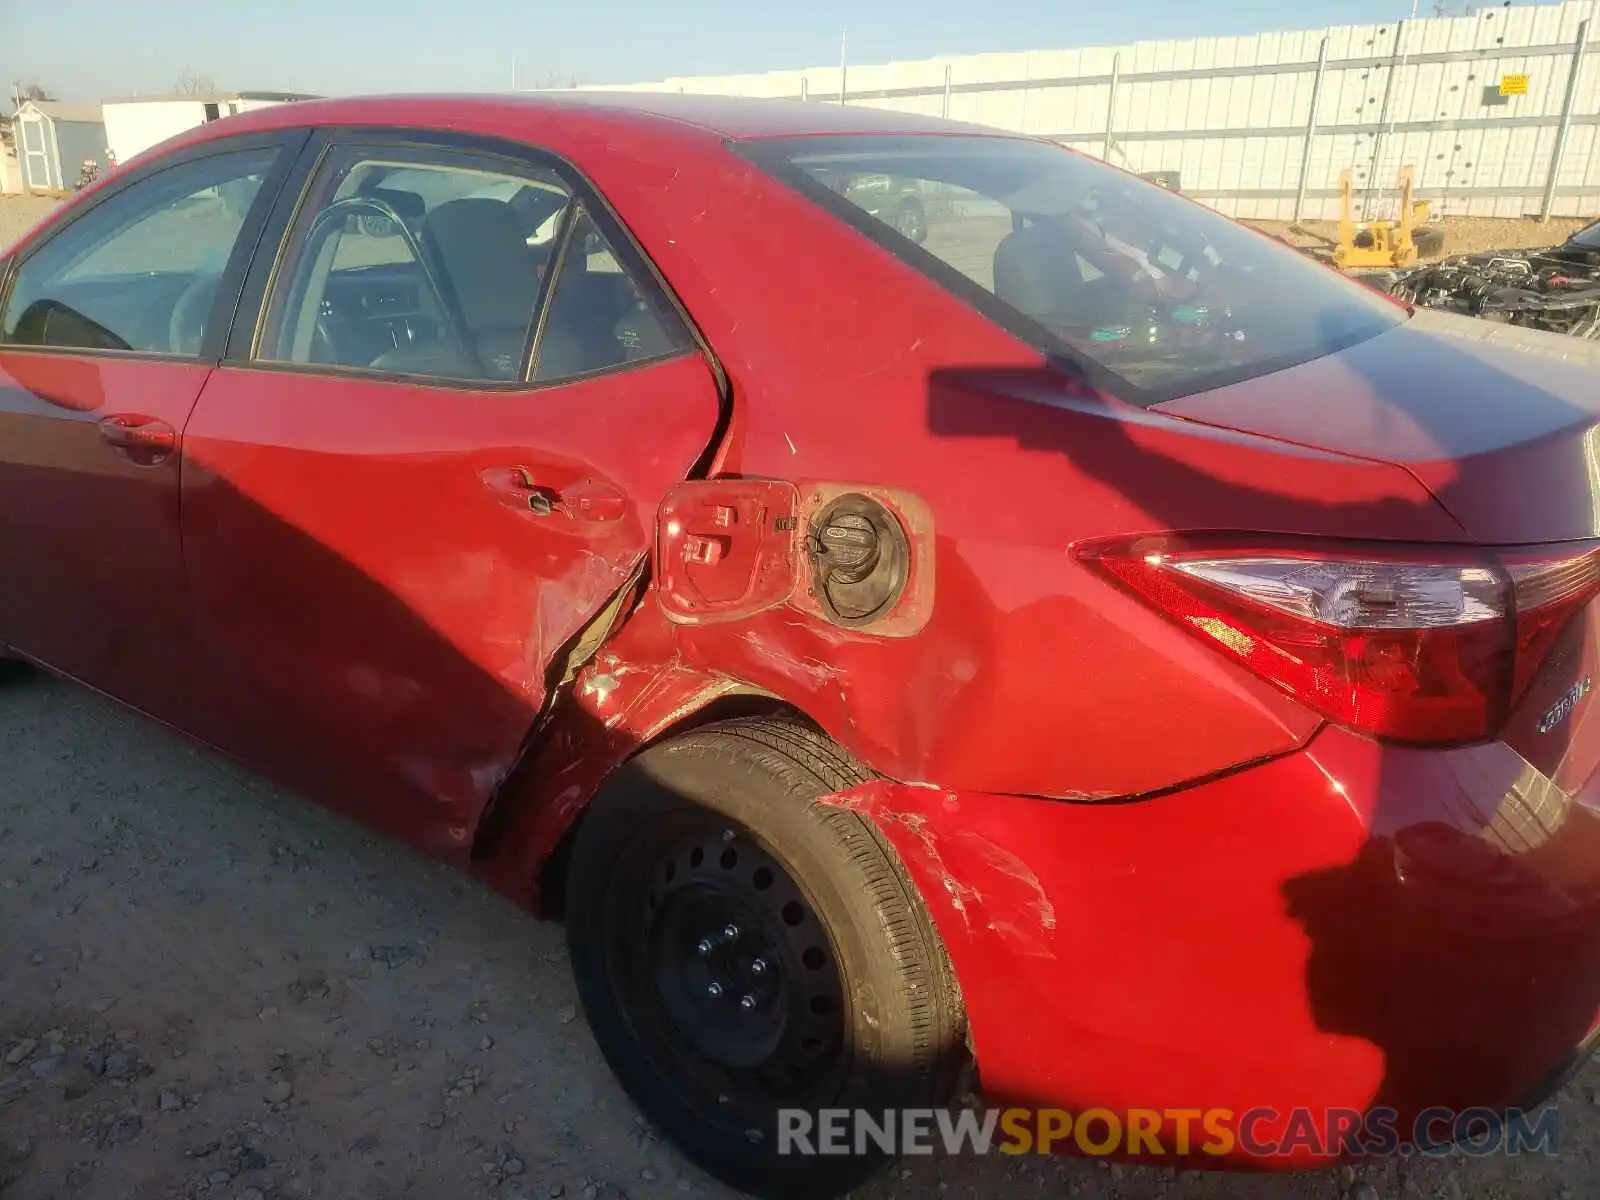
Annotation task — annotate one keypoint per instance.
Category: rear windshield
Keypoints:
(1149, 294)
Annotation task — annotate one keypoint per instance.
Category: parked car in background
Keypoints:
(1553, 288)
(1066, 633)
(898, 202)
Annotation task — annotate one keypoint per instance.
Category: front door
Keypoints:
(442, 458)
(104, 342)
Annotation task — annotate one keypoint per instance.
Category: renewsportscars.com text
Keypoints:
(1180, 1132)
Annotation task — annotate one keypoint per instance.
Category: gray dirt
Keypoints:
(212, 988)
(18, 214)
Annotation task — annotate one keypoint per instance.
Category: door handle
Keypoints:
(586, 500)
(145, 440)
(515, 488)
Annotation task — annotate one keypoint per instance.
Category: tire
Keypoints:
(911, 221)
(706, 855)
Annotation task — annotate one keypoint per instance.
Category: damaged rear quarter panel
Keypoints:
(1127, 939)
(847, 365)
(1029, 676)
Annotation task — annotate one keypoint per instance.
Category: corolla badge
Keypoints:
(1562, 708)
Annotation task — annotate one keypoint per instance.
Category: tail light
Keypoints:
(1414, 644)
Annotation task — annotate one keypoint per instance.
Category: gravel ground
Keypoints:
(18, 214)
(211, 988)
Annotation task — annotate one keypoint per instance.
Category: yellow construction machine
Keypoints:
(1378, 244)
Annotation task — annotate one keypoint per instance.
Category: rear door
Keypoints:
(111, 321)
(437, 458)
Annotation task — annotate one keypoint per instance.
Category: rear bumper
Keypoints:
(1349, 927)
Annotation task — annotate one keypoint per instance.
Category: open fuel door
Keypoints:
(852, 555)
(727, 548)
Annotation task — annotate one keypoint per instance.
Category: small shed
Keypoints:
(54, 139)
(136, 123)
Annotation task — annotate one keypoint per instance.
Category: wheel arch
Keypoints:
(548, 883)
(541, 877)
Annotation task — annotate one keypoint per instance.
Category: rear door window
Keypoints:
(446, 264)
(416, 262)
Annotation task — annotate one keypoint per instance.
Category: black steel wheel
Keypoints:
(743, 949)
(727, 948)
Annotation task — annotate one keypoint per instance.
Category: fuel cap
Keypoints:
(860, 559)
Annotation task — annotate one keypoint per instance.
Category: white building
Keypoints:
(135, 124)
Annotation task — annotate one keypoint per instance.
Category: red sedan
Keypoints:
(1086, 639)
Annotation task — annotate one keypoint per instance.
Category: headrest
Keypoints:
(480, 246)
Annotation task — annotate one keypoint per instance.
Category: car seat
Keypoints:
(479, 253)
(1038, 272)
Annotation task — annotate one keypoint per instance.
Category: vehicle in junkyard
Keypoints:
(1554, 288)
(896, 201)
(1087, 640)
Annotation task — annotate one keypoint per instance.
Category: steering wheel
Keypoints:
(449, 318)
(186, 327)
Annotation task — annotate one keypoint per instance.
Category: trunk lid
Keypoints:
(1497, 421)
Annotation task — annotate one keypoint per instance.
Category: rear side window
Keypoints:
(1125, 278)
(140, 270)
(600, 317)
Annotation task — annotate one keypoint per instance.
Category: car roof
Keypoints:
(724, 117)
(750, 117)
